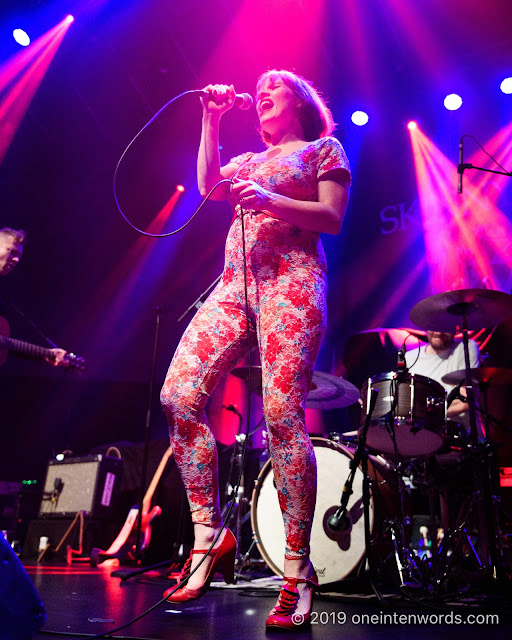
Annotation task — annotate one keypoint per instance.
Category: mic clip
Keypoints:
(401, 365)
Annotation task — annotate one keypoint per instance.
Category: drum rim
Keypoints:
(393, 375)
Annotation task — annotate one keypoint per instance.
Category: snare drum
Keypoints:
(410, 411)
(334, 554)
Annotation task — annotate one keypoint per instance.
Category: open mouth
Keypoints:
(265, 105)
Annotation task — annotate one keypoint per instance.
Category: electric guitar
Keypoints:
(124, 546)
(72, 362)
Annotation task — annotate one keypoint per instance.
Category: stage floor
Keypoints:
(84, 600)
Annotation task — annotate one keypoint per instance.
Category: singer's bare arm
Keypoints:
(324, 216)
(209, 171)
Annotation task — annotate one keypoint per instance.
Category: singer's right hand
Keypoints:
(221, 98)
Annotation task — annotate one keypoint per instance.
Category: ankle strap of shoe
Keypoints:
(295, 581)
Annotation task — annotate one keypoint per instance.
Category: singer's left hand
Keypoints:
(250, 195)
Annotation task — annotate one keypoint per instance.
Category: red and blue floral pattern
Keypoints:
(287, 282)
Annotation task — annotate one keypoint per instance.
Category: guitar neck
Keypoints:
(146, 503)
(25, 347)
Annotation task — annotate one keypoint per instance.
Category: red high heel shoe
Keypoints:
(223, 558)
(284, 615)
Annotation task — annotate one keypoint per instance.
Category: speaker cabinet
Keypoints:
(89, 484)
(21, 610)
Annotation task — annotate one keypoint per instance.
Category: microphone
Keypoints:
(232, 408)
(461, 167)
(242, 100)
(340, 521)
(400, 361)
(401, 365)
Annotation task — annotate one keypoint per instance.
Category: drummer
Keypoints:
(443, 354)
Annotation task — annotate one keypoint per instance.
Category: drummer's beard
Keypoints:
(439, 341)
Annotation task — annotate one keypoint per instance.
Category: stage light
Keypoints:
(506, 85)
(21, 37)
(412, 125)
(452, 102)
(180, 188)
(69, 19)
(360, 118)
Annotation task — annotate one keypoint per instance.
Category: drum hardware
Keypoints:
(465, 310)
(240, 511)
(340, 521)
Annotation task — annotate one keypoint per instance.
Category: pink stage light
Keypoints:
(20, 78)
(466, 238)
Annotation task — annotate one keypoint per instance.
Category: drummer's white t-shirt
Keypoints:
(436, 365)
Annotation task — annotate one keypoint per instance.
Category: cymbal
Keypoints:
(481, 308)
(419, 333)
(483, 375)
(327, 391)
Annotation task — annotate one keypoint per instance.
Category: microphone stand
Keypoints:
(197, 304)
(361, 458)
(482, 500)
(147, 431)
(467, 165)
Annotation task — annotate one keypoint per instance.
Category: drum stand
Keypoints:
(240, 510)
(336, 521)
(480, 510)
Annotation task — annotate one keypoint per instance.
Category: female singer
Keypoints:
(286, 196)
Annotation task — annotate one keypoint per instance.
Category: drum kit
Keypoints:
(403, 427)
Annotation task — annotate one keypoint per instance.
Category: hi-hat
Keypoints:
(472, 309)
(483, 375)
(327, 391)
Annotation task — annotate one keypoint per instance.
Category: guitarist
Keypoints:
(11, 250)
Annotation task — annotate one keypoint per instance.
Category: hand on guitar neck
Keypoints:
(56, 357)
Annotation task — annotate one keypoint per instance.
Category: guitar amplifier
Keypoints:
(90, 484)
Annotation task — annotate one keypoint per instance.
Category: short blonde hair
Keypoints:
(315, 116)
(18, 235)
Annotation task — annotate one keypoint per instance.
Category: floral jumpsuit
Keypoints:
(286, 279)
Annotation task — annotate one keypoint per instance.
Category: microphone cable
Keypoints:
(116, 173)
(184, 581)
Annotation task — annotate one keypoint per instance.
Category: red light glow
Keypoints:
(33, 62)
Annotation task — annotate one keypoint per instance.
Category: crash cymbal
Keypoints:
(483, 375)
(419, 333)
(481, 308)
(327, 391)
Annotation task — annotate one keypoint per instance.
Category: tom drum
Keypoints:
(410, 411)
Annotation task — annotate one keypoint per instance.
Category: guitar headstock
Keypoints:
(76, 364)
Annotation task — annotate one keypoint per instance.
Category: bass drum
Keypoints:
(334, 554)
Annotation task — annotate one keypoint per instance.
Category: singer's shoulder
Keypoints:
(243, 157)
(329, 142)
(331, 156)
